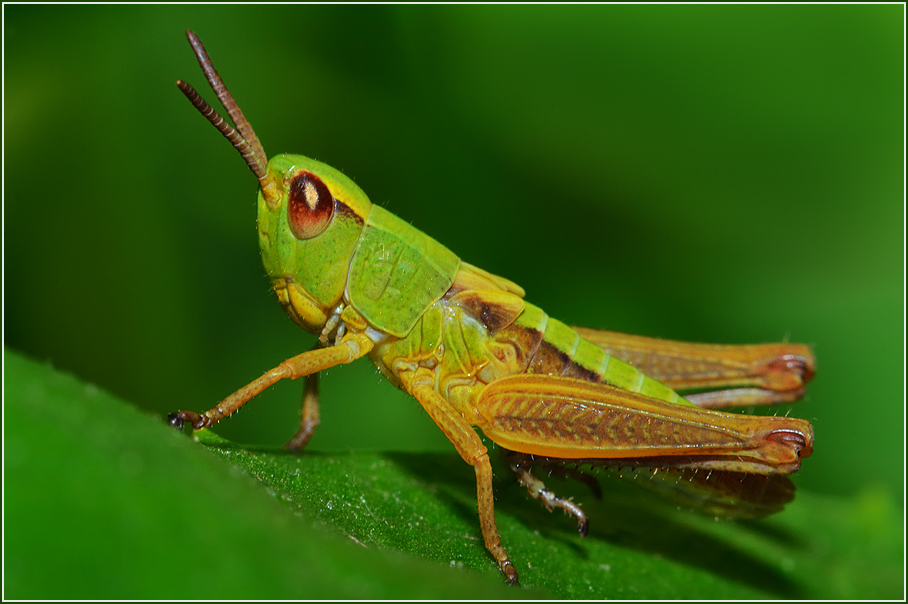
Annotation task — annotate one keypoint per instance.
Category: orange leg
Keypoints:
(310, 416)
(351, 348)
(421, 384)
(549, 499)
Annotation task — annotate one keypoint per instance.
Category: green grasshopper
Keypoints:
(474, 353)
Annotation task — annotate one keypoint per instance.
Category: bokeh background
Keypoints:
(712, 173)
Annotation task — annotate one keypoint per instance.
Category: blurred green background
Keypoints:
(712, 173)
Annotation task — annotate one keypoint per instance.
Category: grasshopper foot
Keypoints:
(510, 573)
(178, 419)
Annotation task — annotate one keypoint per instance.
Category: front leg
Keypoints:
(352, 347)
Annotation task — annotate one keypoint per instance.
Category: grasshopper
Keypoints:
(468, 347)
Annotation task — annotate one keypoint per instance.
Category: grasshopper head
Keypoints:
(308, 236)
(310, 215)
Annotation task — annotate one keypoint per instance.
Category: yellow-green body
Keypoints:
(359, 276)
(419, 301)
(473, 353)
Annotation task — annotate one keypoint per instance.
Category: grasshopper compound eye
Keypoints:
(311, 205)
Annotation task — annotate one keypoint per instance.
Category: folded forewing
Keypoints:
(573, 419)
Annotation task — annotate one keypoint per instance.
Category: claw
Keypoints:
(178, 419)
(175, 421)
(510, 573)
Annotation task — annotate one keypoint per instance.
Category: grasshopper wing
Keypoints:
(722, 494)
(757, 374)
(712, 492)
(565, 418)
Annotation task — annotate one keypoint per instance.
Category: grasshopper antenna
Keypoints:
(243, 136)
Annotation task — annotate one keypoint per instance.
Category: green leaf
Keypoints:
(105, 502)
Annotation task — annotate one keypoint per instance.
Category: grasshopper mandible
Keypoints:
(474, 353)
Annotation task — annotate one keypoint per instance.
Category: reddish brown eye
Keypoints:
(311, 205)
